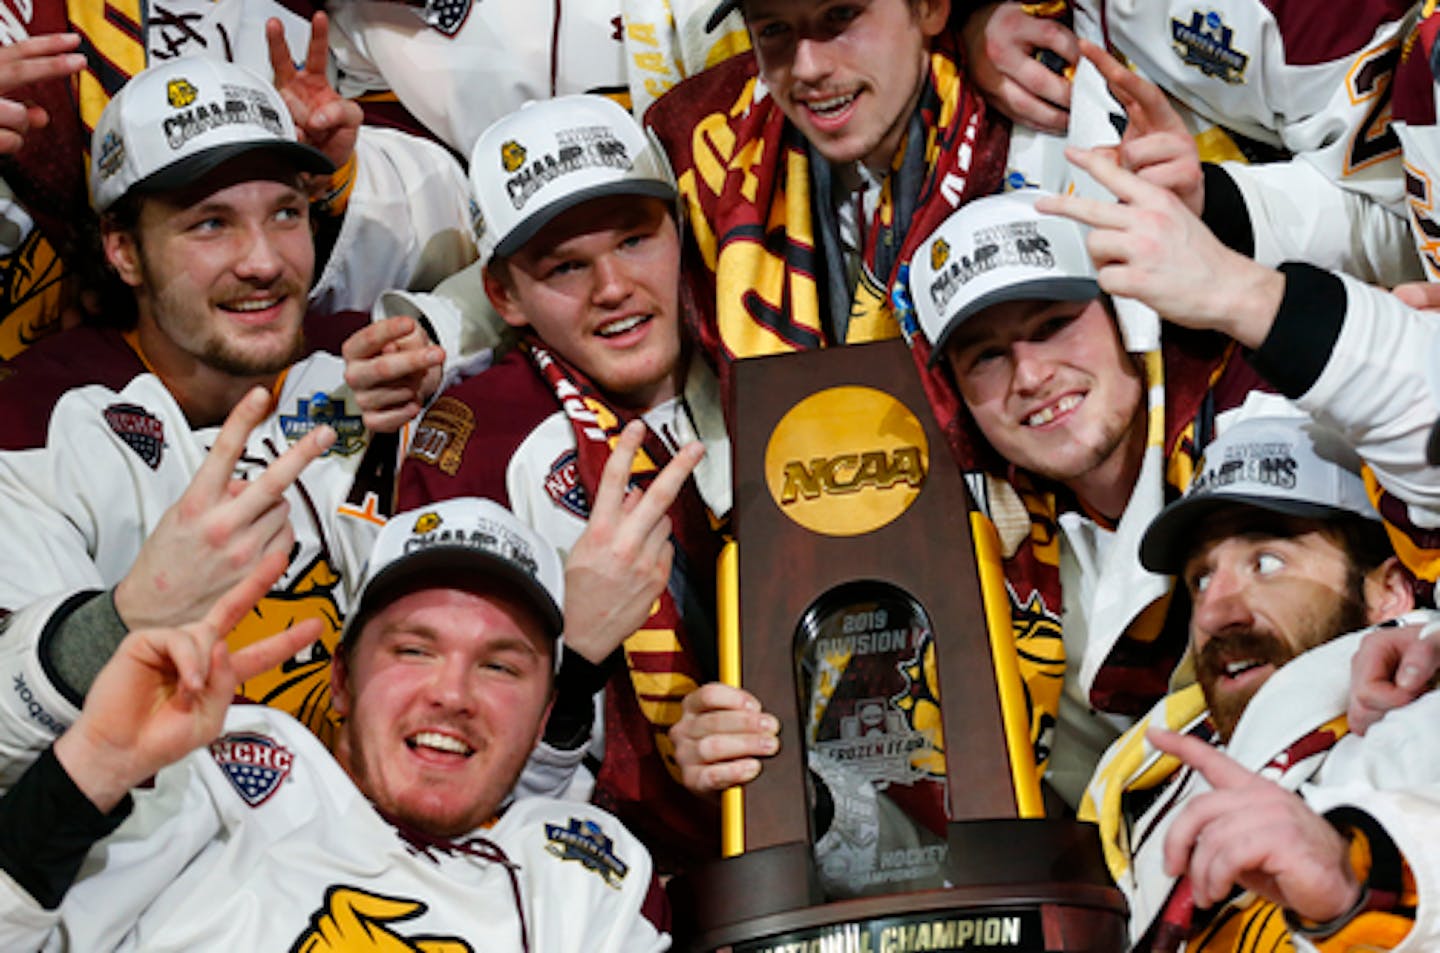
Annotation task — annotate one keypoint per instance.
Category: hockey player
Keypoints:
(590, 430)
(261, 839)
(391, 214)
(813, 168)
(127, 503)
(1280, 554)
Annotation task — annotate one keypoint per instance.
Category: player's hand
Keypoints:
(165, 691)
(1392, 667)
(1149, 246)
(324, 118)
(393, 368)
(1001, 41)
(33, 60)
(213, 536)
(721, 736)
(1420, 295)
(1155, 146)
(1251, 833)
(621, 563)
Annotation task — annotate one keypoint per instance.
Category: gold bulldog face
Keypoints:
(180, 92)
(512, 155)
(939, 254)
(427, 523)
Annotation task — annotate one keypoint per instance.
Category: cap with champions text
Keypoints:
(178, 120)
(1286, 464)
(995, 249)
(464, 533)
(550, 156)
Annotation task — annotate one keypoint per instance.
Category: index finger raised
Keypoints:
(1146, 105)
(1218, 768)
(615, 475)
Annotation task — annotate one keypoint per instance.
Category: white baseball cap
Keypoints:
(549, 156)
(467, 533)
(180, 119)
(995, 249)
(1284, 463)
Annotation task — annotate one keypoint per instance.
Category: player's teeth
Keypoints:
(831, 104)
(1236, 668)
(1064, 404)
(252, 305)
(623, 325)
(433, 739)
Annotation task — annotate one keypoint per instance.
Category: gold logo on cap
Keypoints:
(427, 523)
(846, 461)
(180, 92)
(512, 155)
(939, 254)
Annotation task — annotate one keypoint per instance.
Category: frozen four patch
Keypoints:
(585, 842)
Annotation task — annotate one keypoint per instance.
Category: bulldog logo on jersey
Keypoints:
(562, 485)
(585, 842)
(447, 16)
(354, 921)
(180, 92)
(512, 155)
(254, 764)
(1206, 43)
(140, 430)
(322, 408)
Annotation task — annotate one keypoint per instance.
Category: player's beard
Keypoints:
(1346, 615)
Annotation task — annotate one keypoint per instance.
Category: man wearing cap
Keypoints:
(590, 429)
(1280, 554)
(1081, 443)
(143, 472)
(391, 213)
(261, 839)
(811, 169)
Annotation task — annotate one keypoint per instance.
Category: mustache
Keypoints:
(1240, 644)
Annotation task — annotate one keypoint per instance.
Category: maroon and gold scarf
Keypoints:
(761, 268)
(639, 779)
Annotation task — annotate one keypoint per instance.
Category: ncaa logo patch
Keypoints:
(585, 842)
(447, 16)
(322, 408)
(562, 485)
(140, 430)
(253, 764)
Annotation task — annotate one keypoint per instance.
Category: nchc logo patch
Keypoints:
(254, 764)
(562, 485)
(586, 842)
(140, 430)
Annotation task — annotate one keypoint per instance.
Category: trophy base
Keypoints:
(1033, 886)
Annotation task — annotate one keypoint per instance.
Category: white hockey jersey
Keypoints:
(87, 471)
(262, 842)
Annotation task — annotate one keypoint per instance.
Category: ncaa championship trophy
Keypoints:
(897, 816)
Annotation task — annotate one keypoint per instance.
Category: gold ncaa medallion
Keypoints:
(846, 461)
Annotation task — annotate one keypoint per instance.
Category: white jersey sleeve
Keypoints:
(407, 224)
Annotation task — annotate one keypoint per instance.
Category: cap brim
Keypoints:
(426, 563)
(1038, 289)
(543, 216)
(1170, 539)
(720, 13)
(192, 168)
(1432, 446)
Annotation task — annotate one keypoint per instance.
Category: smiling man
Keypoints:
(581, 252)
(1283, 560)
(813, 168)
(143, 472)
(260, 839)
